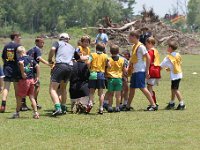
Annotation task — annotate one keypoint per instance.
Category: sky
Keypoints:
(161, 7)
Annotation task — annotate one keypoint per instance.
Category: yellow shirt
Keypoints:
(156, 57)
(134, 58)
(176, 61)
(116, 69)
(98, 62)
(84, 51)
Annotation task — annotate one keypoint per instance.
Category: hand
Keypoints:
(36, 80)
(147, 75)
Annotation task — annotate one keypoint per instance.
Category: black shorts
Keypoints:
(175, 84)
(61, 72)
(10, 79)
(96, 84)
(78, 91)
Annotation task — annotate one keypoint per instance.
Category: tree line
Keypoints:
(48, 15)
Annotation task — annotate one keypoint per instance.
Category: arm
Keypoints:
(44, 62)
(51, 54)
(37, 67)
(21, 67)
(147, 65)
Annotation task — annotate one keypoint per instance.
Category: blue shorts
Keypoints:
(96, 84)
(138, 80)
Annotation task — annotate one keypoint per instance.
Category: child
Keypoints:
(126, 56)
(173, 63)
(36, 54)
(97, 63)
(154, 61)
(79, 91)
(139, 62)
(26, 83)
(83, 48)
(114, 74)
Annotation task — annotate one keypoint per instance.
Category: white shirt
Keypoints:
(140, 66)
(166, 63)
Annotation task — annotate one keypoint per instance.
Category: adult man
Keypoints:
(10, 67)
(61, 72)
(101, 37)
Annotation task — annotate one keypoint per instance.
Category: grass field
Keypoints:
(137, 129)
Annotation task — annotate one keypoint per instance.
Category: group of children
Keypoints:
(100, 71)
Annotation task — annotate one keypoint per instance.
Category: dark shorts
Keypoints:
(96, 84)
(175, 84)
(10, 79)
(61, 72)
(78, 91)
(138, 80)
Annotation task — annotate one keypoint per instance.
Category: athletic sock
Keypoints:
(63, 107)
(181, 103)
(154, 97)
(24, 100)
(125, 102)
(3, 103)
(57, 106)
(171, 102)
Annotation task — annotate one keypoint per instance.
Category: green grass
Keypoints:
(125, 130)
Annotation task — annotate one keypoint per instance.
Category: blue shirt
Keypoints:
(35, 53)
(101, 38)
(29, 65)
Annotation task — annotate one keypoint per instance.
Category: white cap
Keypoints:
(64, 36)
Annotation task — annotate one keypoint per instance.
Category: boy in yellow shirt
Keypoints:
(97, 63)
(173, 63)
(114, 74)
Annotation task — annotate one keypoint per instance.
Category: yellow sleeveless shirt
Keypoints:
(116, 69)
(98, 63)
(176, 61)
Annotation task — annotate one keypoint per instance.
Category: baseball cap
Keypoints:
(64, 36)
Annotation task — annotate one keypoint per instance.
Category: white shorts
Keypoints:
(153, 81)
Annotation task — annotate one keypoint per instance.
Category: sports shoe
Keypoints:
(105, 106)
(57, 112)
(128, 108)
(110, 109)
(156, 106)
(170, 106)
(36, 115)
(15, 115)
(64, 109)
(152, 108)
(117, 109)
(181, 107)
(2, 109)
(24, 107)
(100, 111)
(88, 109)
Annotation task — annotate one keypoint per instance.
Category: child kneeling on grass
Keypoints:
(26, 83)
(173, 63)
